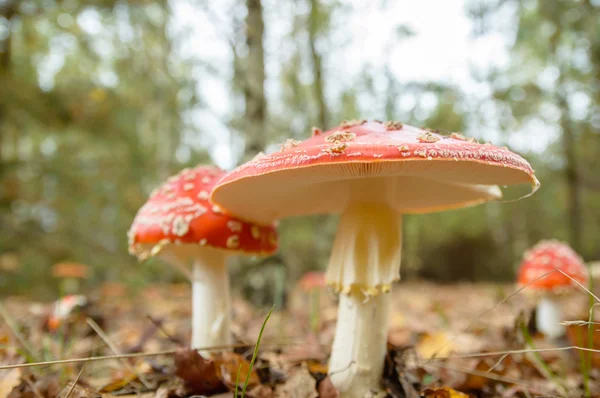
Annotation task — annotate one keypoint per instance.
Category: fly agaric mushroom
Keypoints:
(72, 311)
(180, 225)
(71, 275)
(543, 258)
(63, 308)
(311, 283)
(372, 173)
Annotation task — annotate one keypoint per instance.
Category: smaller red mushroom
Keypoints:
(543, 258)
(71, 276)
(179, 224)
(63, 308)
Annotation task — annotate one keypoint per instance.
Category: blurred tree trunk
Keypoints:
(572, 175)
(7, 11)
(254, 92)
(313, 26)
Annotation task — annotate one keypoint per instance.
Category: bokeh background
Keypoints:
(100, 101)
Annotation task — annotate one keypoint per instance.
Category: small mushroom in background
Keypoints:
(312, 283)
(63, 308)
(71, 312)
(181, 226)
(371, 173)
(541, 259)
(71, 274)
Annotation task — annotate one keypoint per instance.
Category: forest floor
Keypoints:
(437, 340)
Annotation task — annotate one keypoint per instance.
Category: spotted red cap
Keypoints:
(179, 212)
(547, 256)
(411, 170)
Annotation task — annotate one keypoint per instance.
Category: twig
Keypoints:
(578, 284)
(116, 350)
(34, 389)
(498, 362)
(578, 323)
(133, 355)
(512, 352)
(491, 376)
(76, 380)
(158, 324)
(345, 368)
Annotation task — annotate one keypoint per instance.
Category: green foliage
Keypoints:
(96, 105)
(90, 123)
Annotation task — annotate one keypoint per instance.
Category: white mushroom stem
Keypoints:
(364, 263)
(210, 300)
(548, 318)
(359, 348)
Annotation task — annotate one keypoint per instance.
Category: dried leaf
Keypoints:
(9, 379)
(434, 344)
(445, 392)
(578, 336)
(317, 367)
(227, 365)
(30, 387)
(79, 392)
(300, 385)
(326, 389)
(119, 383)
(261, 391)
(199, 375)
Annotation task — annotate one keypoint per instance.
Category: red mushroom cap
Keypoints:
(179, 212)
(311, 280)
(547, 256)
(423, 171)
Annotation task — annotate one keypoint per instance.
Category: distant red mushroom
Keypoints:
(544, 258)
(63, 308)
(71, 275)
(312, 282)
(180, 225)
(71, 312)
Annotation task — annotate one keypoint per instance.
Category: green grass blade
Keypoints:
(262, 329)
(237, 381)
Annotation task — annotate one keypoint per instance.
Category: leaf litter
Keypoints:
(443, 342)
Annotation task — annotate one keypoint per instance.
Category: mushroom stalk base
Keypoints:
(365, 261)
(548, 318)
(210, 301)
(359, 348)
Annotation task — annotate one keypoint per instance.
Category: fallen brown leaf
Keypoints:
(435, 344)
(445, 392)
(228, 364)
(29, 387)
(317, 367)
(80, 392)
(578, 336)
(326, 389)
(119, 383)
(199, 375)
(261, 391)
(9, 379)
(300, 385)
